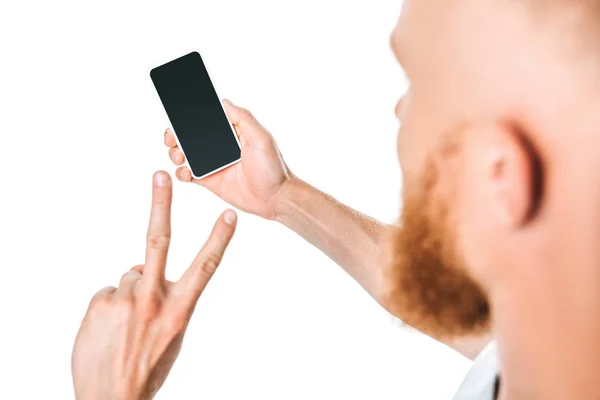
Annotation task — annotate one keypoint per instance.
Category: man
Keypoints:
(500, 223)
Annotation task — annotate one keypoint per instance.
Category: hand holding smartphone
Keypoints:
(201, 128)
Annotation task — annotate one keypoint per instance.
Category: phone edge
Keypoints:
(233, 132)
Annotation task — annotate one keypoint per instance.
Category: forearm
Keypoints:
(351, 239)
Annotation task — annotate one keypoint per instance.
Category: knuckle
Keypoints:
(211, 263)
(101, 298)
(98, 302)
(159, 240)
(124, 277)
(246, 113)
(139, 268)
(130, 277)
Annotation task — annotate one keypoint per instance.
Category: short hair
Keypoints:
(573, 24)
(579, 15)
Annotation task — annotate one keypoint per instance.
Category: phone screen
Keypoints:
(196, 114)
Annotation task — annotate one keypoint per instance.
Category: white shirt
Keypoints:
(481, 381)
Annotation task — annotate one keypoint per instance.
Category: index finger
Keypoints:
(194, 280)
(159, 229)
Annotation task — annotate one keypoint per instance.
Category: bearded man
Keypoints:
(498, 236)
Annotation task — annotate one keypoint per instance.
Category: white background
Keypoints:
(82, 132)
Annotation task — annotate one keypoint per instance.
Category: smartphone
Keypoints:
(202, 130)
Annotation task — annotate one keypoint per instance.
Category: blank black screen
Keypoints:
(196, 114)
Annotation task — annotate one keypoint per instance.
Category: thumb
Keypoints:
(248, 127)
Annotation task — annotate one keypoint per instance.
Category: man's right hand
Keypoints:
(263, 185)
(256, 183)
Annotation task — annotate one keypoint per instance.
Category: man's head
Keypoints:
(498, 143)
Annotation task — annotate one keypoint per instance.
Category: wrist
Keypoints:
(98, 393)
(288, 199)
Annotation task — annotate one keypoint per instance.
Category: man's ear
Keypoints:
(510, 174)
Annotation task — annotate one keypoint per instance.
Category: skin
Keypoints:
(131, 335)
(516, 87)
(518, 92)
(262, 184)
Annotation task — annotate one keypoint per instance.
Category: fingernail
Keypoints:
(226, 101)
(161, 179)
(230, 217)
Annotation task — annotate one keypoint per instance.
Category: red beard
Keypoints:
(428, 287)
